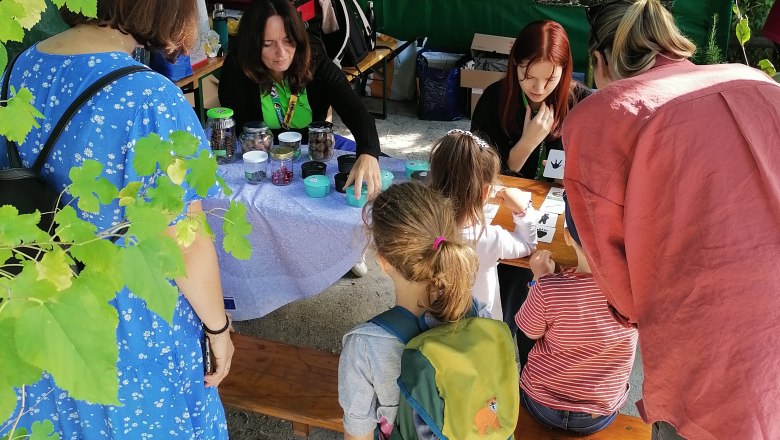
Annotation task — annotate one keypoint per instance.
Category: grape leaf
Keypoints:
(18, 117)
(70, 228)
(176, 171)
(767, 67)
(16, 228)
(32, 13)
(167, 196)
(16, 372)
(102, 255)
(74, 339)
(225, 188)
(55, 269)
(88, 8)
(149, 151)
(146, 223)
(186, 231)
(184, 144)
(144, 268)
(236, 228)
(10, 28)
(204, 224)
(743, 31)
(43, 431)
(89, 187)
(27, 284)
(103, 284)
(202, 172)
(3, 57)
(129, 193)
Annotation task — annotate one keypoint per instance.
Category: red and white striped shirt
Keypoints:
(584, 357)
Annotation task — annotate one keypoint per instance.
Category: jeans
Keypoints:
(665, 431)
(572, 421)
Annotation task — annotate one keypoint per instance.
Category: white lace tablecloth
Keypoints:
(300, 245)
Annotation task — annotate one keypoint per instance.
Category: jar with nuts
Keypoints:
(321, 141)
(220, 129)
(256, 137)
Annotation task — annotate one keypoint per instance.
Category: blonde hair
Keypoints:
(634, 32)
(405, 221)
(461, 165)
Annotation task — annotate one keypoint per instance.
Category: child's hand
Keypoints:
(515, 199)
(542, 263)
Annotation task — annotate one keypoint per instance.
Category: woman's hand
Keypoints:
(366, 169)
(222, 351)
(542, 263)
(536, 129)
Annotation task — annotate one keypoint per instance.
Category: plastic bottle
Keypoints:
(372, 22)
(219, 19)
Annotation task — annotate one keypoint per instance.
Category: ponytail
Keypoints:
(634, 32)
(414, 229)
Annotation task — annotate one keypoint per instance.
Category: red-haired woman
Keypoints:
(522, 114)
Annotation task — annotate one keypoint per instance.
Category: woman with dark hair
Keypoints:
(162, 390)
(521, 115)
(273, 63)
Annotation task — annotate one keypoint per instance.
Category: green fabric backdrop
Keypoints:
(450, 24)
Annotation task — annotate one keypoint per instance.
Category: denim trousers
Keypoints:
(572, 421)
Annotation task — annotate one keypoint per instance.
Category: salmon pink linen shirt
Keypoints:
(674, 182)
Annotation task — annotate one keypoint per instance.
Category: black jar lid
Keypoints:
(313, 165)
(321, 126)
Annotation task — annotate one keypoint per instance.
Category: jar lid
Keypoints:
(321, 126)
(317, 181)
(255, 156)
(255, 127)
(290, 136)
(282, 153)
(313, 165)
(387, 176)
(219, 113)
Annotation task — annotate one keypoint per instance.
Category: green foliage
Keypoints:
(85, 7)
(742, 30)
(712, 52)
(19, 116)
(767, 67)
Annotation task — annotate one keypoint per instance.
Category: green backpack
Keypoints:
(458, 380)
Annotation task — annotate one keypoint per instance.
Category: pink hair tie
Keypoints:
(437, 242)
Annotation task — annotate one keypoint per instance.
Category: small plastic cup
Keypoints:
(254, 166)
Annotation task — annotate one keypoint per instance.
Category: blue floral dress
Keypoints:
(160, 366)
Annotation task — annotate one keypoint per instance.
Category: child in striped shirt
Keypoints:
(577, 373)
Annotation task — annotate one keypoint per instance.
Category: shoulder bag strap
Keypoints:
(74, 107)
(400, 322)
(11, 148)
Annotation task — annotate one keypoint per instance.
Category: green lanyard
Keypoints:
(542, 146)
(284, 121)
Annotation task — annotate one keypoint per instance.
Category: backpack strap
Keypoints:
(11, 148)
(400, 322)
(74, 107)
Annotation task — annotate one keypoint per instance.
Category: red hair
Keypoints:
(538, 41)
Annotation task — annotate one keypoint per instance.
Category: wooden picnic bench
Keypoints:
(301, 385)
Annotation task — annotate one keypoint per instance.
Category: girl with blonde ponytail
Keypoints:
(418, 245)
(662, 163)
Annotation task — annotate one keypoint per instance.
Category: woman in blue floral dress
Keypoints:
(162, 388)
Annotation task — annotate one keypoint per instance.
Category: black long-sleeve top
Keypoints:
(486, 121)
(328, 88)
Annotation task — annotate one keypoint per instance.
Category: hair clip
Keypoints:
(480, 142)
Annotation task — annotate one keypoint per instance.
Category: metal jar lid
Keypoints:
(282, 153)
(255, 127)
(321, 127)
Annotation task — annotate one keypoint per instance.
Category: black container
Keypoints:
(340, 180)
(313, 167)
(346, 162)
(421, 176)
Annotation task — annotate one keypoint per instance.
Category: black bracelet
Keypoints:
(220, 331)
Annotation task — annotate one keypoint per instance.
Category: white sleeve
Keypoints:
(525, 227)
(517, 244)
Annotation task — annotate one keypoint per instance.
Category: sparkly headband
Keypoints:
(482, 144)
(437, 242)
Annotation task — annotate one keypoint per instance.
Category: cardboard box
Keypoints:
(483, 45)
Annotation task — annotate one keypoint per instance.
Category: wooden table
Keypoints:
(194, 83)
(370, 64)
(563, 254)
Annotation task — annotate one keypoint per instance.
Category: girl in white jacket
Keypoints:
(463, 168)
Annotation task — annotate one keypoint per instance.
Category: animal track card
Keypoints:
(548, 219)
(545, 234)
(556, 160)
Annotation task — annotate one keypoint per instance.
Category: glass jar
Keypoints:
(291, 140)
(220, 128)
(280, 166)
(321, 141)
(256, 137)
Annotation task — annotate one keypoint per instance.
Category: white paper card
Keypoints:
(553, 206)
(548, 219)
(556, 160)
(545, 234)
